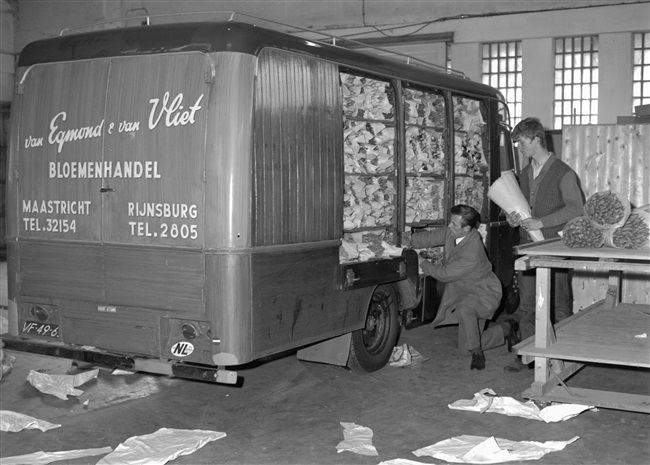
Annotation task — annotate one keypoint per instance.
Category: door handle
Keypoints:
(106, 189)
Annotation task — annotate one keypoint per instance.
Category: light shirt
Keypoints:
(537, 168)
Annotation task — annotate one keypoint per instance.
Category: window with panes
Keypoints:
(575, 99)
(501, 69)
(641, 69)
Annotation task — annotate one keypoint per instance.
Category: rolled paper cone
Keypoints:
(505, 192)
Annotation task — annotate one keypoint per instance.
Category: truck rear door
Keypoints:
(110, 195)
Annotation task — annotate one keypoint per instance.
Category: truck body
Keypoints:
(209, 194)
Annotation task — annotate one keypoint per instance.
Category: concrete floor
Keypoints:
(289, 411)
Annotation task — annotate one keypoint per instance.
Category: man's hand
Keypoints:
(529, 224)
(514, 219)
(421, 260)
(532, 224)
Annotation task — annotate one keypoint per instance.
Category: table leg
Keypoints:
(613, 296)
(544, 332)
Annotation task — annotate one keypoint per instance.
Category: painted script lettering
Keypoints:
(172, 111)
(60, 137)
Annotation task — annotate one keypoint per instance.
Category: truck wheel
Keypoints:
(372, 346)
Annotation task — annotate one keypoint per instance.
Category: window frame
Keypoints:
(575, 81)
(640, 69)
(507, 58)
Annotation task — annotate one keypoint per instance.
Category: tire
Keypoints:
(372, 346)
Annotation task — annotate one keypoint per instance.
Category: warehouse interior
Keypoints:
(284, 409)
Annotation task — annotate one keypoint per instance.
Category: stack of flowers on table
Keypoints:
(609, 221)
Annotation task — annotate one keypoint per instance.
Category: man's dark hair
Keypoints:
(468, 215)
(530, 128)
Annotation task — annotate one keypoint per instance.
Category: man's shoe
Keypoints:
(478, 361)
(515, 366)
(511, 334)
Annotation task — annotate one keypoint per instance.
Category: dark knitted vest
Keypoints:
(548, 198)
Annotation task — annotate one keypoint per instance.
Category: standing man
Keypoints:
(472, 292)
(553, 192)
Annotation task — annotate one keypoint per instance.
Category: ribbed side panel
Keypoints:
(298, 165)
(610, 157)
(143, 277)
(159, 279)
(61, 271)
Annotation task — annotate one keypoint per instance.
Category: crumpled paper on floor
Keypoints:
(7, 362)
(357, 439)
(41, 458)
(14, 422)
(480, 449)
(60, 385)
(486, 400)
(160, 447)
(405, 355)
(402, 462)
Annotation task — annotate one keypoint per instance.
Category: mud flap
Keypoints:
(333, 351)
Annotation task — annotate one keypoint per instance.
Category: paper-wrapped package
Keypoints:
(505, 192)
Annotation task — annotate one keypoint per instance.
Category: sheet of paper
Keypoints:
(160, 447)
(40, 458)
(357, 439)
(14, 422)
(483, 450)
(405, 355)
(60, 386)
(486, 400)
(402, 462)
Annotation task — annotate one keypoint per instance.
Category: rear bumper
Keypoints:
(125, 362)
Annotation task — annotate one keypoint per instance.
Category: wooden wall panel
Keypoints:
(298, 161)
(610, 157)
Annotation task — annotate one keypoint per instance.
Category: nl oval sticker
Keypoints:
(182, 349)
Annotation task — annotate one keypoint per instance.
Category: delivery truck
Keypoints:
(188, 198)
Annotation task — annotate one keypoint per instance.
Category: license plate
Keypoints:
(41, 329)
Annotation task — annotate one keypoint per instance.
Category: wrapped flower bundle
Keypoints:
(424, 108)
(609, 215)
(470, 191)
(468, 143)
(368, 201)
(365, 245)
(367, 98)
(434, 254)
(635, 233)
(607, 209)
(580, 232)
(469, 157)
(368, 147)
(424, 151)
(424, 199)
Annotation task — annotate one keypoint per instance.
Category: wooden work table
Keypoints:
(608, 332)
